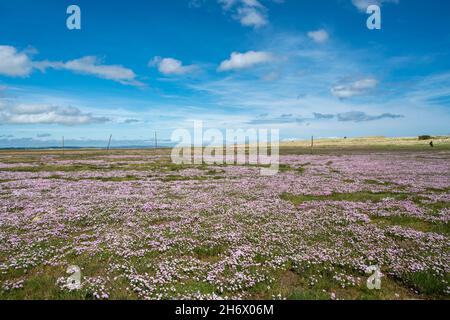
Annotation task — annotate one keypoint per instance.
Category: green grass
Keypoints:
(150, 166)
(286, 168)
(210, 254)
(41, 281)
(351, 197)
(296, 284)
(413, 223)
(378, 183)
(427, 282)
(436, 207)
(188, 178)
(193, 287)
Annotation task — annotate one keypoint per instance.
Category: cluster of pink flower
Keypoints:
(217, 232)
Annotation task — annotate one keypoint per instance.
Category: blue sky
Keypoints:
(304, 67)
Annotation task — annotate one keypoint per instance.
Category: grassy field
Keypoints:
(364, 144)
(141, 227)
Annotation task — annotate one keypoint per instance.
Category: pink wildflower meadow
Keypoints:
(141, 228)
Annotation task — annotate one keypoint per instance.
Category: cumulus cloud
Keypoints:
(245, 60)
(46, 114)
(356, 88)
(362, 5)
(319, 36)
(170, 66)
(19, 64)
(14, 63)
(358, 116)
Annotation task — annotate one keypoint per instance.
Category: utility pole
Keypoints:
(63, 145)
(312, 144)
(156, 140)
(109, 143)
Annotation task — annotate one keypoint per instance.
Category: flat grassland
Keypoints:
(140, 227)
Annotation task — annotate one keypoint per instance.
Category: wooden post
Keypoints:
(312, 144)
(109, 143)
(156, 140)
(63, 145)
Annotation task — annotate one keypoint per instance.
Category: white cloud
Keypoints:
(170, 66)
(46, 114)
(251, 17)
(253, 3)
(356, 88)
(250, 13)
(195, 3)
(19, 64)
(91, 65)
(319, 36)
(227, 4)
(245, 60)
(362, 5)
(14, 63)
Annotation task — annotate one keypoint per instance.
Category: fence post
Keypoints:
(109, 143)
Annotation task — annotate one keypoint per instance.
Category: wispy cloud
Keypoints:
(323, 116)
(26, 114)
(358, 116)
(250, 13)
(351, 116)
(356, 88)
(94, 66)
(14, 63)
(283, 119)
